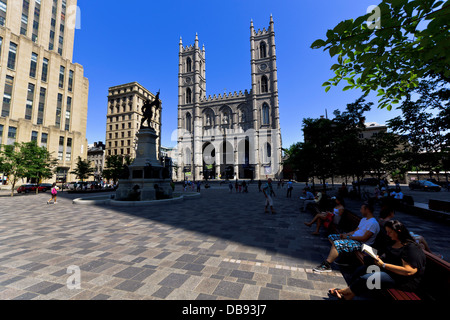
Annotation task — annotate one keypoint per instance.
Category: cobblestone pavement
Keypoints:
(219, 246)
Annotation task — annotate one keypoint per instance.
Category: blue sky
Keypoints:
(125, 41)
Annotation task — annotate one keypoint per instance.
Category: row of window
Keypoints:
(265, 117)
(122, 151)
(36, 18)
(11, 64)
(7, 97)
(12, 134)
(122, 143)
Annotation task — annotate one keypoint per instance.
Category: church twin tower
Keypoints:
(235, 135)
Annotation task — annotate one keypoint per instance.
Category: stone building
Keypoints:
(235, 135)
(124, 116)
(45, 94)
(96, 155)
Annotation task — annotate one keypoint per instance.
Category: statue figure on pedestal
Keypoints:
(147, 110)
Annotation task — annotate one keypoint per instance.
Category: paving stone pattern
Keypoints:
(220, 246)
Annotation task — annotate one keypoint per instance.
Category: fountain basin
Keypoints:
(108, 200)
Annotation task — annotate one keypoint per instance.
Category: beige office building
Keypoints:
(45, 94)
(124, 116)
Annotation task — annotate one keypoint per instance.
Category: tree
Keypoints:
(114, 167)
(38, 162)
(411, 44)
(26, 160)
(319, 135)
(83, 169)
(426, 133)
(300, 159)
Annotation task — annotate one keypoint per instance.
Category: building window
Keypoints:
(52, 25)
(61, 27)
(264, 84)
(33, 65)
(29, 105)
(188, 65)
(70, 84)
(188, 95)
(62, 70)
(34, 136)
(69, 149)
(3, 5)
(68, 113)
(12, 55)
(44, 70)
(188, 122)
(1, 43)
(262, 50)
(7, 96)
(1, 133)
(44, 139)
(41, 106)
(25, 10)
(12, 132)
(58, 110)
(61, 148)
(37, 13)
(265, 114)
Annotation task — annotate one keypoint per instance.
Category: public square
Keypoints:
(219, 246)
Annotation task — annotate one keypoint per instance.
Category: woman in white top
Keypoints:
(328, 217)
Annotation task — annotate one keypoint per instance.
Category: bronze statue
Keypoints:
(147, 110)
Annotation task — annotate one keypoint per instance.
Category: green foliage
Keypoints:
(83, 169)
(412, 44)
(114, 167)
(425, 133)
(26, 160)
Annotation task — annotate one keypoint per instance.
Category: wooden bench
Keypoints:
(439, 205)
(349, 222)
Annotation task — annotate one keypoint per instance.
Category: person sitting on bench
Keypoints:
(366, 232)
(326, 218)
(402, 266)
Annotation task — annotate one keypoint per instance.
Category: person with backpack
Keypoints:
(54, 191)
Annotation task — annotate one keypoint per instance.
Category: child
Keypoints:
(54, 191)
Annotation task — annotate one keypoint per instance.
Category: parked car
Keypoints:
(44, 187)
(424, 185)
(29, 187)
(440, 183)
(367, 182)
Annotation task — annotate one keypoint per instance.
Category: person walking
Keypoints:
(230, 186)
(290, 186)
(268, 190)
(54, 191)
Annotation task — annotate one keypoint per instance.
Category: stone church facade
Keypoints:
(234, 136)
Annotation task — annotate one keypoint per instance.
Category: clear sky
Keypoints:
(137, 40)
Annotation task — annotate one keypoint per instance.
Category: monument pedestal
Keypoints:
(147, 178)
